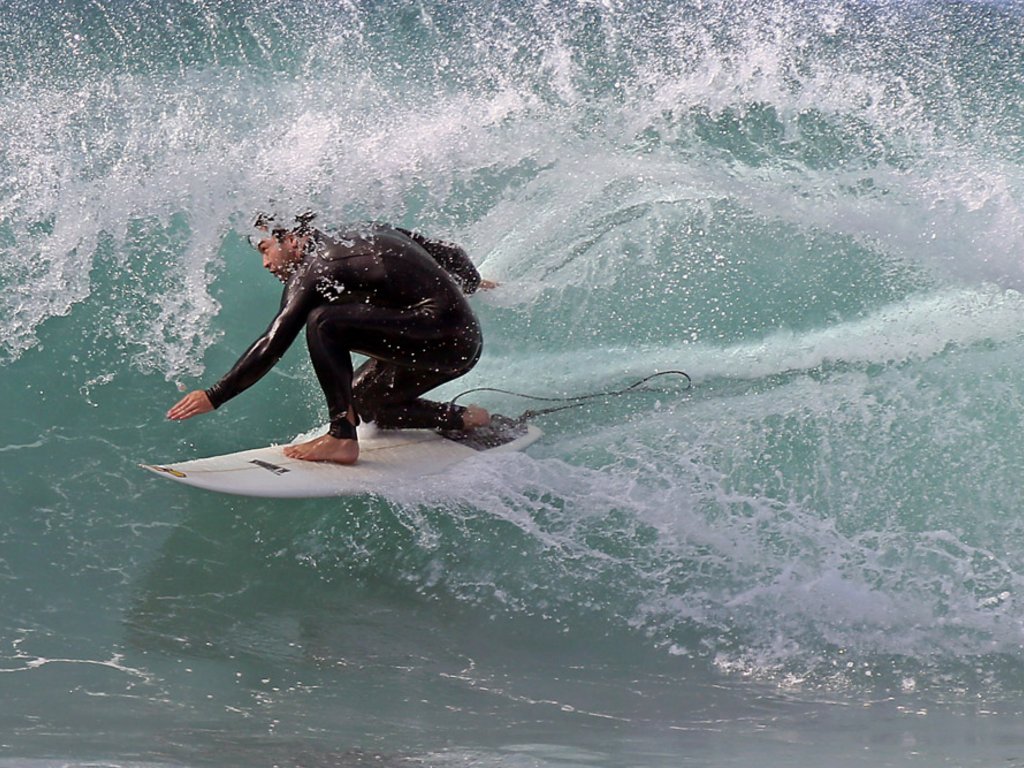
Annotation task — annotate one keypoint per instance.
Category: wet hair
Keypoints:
(302, 226)
(303, 223)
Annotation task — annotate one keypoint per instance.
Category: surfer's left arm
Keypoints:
(453, 259)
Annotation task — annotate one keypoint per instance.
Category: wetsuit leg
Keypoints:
(389, 395)
(406, 362)
(333, 368)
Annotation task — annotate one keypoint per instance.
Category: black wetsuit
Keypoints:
(386, 293)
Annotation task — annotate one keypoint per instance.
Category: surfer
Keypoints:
(387, 293)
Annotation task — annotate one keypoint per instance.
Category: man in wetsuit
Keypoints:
(386, 293)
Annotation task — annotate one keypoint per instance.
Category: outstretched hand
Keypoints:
(192, 404)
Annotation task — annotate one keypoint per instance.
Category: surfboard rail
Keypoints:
(385, 457)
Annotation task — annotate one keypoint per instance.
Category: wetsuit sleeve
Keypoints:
(451, 258)
(264, 353)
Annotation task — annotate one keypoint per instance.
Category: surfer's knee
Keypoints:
(364, 407)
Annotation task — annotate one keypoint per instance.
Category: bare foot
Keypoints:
(325, 448)
(474, 416)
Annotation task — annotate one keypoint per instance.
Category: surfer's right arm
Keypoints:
(264, 353)
(254, 363)
(192, 404)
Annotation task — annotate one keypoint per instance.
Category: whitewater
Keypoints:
(812, 556)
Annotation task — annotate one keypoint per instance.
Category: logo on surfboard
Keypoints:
(269, 467)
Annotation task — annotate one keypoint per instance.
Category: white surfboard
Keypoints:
(386, 458)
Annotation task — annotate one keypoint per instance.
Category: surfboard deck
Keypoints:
(386, 458)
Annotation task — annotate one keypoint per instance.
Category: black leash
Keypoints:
(575, 401)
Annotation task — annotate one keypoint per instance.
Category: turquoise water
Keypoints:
(815, 556)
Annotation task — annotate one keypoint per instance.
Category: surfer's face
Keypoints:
(280, 254)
